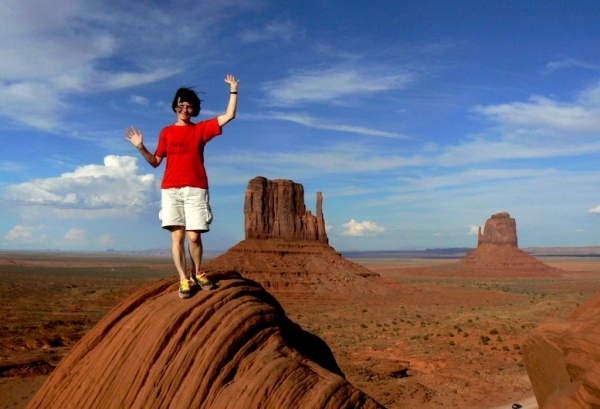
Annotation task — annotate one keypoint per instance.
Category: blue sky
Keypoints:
(417, 120)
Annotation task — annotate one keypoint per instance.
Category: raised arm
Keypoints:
(232, 106)
(137, 139)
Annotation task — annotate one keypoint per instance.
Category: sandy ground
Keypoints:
(436, 342)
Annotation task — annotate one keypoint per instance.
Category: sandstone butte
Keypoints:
(233, 347)
(498, 253)
(286, 247)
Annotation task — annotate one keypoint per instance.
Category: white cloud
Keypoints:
(284, 31)
(115, 185)
(75, 235)
(473, 230)
(361, 229)
(595, 210)
(332, 84)
(21, 234)
(139, 100)
(106, 240)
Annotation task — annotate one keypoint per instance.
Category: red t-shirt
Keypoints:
(183, 147)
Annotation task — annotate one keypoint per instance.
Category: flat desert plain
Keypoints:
(435, 342)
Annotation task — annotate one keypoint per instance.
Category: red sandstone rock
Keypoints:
(230, 348)
(500, 229)
(563, 360)
(274, 209)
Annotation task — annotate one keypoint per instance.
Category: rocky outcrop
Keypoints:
(231, 348)
(563, 360)
(497, 253)
(274, 209)
(286, 247)
(500, 229)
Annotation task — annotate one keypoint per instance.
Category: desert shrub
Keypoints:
(505, 348)
(363, 325)
(484, 339)
(465, 334)
(516, 346)
(499, 338)
(451, 343)
(494, 331)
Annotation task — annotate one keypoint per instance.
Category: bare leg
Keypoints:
(195, 249)
(178, 251)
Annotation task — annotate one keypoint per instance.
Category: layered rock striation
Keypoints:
(286, 247)
(232, 348)
(563, 360)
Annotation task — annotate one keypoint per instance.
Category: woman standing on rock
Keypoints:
(185, 208)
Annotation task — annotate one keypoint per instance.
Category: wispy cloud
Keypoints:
(549, 117)
(277, 30)
(332, 84)
(86, 47)
(311, 122)
(569, 63)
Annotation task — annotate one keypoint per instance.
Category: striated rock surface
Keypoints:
(298, 267)
(497, 252)
(286, 247)
(563, 360)
(232, 348)
(274, 209)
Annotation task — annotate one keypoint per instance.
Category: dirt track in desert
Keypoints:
(435, 342)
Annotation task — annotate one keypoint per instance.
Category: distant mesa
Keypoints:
(498, 254)
(286, 247)
(563, 360)
(229, 348)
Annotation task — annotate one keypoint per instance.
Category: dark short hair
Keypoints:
(187, 95)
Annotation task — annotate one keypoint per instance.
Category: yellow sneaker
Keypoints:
(202, 280)
(184, 289)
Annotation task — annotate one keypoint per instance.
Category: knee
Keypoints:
(178, 235)
(195, 237)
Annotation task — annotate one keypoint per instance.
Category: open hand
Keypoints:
(134, 136)
(230, 79)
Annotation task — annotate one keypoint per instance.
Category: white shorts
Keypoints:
(187, 207)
